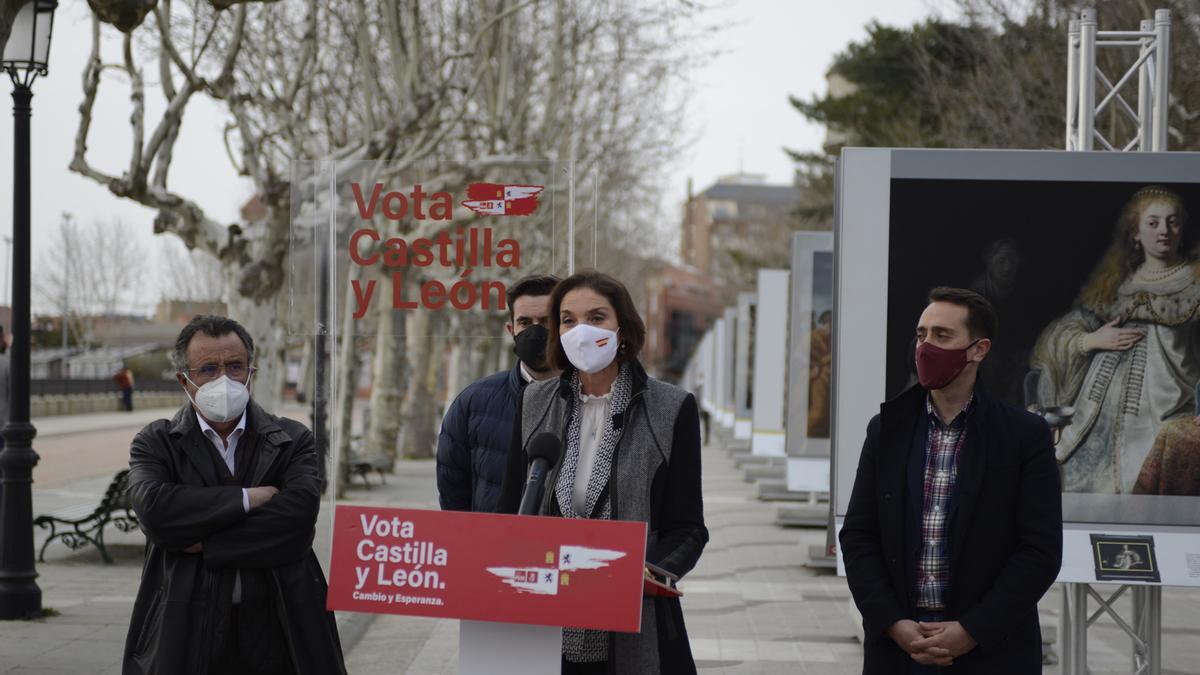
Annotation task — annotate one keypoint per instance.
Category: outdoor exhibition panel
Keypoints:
(743, 375)
(720, 347)
(770, 364)
(728, 340)
(705, 356)
(810, 362)
(1052, 239)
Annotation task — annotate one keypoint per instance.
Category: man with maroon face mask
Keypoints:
(954, 528)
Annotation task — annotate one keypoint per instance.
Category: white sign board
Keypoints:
(770, 364)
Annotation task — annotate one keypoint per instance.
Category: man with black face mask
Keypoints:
(477, 428)
(954, 528)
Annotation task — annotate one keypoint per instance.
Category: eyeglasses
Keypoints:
(210, 371)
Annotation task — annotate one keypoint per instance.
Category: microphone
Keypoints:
(544, 450)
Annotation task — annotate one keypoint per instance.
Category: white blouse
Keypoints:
(595, 410)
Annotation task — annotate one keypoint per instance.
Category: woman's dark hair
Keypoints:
(632, 333)
(982, 321)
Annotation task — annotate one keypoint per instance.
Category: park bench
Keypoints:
(362, 465)
(78, 526)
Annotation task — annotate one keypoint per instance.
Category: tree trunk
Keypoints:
(500, 356)
(270, 345)
(345, 392)
(388, 374)
(495, 352)
(304, 383)
(458, 371)
(420, 411)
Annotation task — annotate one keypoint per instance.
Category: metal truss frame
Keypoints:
(1151, 72)
(1152, 69)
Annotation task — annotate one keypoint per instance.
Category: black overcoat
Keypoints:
(180, 500)
(672, 496)
(1005, 535)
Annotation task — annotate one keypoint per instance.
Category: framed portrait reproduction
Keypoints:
(810, 361)
(1092, 261)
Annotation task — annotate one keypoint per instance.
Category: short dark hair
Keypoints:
(982, 321)
(212, 326)
(532, 285)
(633, 330)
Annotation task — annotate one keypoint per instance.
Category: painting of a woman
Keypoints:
(1127, 356)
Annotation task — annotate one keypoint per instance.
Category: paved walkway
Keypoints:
(751, 606)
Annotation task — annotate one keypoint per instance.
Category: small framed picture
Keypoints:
(1121, 558)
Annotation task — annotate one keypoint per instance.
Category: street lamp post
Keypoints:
(25, 57)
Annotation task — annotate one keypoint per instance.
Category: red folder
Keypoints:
(659, 583)
(656, 589)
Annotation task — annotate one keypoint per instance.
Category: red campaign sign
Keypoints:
(488, 567)
(474, 251)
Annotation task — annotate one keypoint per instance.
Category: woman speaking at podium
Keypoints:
(631, 451)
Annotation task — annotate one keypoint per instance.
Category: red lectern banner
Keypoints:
(488, 567)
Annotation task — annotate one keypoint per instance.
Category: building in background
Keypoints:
(737, 226)
(179, 312)
(680, 304)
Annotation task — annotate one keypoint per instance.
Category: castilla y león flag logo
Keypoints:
(546, 580)
(496, 199)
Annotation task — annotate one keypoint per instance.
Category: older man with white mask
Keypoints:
(228, 497)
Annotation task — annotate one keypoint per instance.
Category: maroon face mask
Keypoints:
(937, 367)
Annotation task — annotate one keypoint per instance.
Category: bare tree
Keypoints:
(8, 13)
(994, 78)
(91, 271)
(196, 50)
(401, 82)
(1013, 95)
(189, 274)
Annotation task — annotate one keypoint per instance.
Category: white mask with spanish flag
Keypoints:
(590, 348)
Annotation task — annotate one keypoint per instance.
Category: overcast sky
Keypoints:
(769, 50)
(738, 114)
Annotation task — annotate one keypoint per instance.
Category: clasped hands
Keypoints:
(257, 497)
(935, 643)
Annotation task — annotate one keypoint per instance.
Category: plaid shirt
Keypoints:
(942, 445)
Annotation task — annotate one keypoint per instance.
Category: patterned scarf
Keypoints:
(580, 645)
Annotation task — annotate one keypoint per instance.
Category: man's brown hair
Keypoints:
(533, 285)
(982, 321)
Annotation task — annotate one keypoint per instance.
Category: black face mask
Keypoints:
(530, 346)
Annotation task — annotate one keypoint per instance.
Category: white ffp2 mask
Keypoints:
(222, 399)
(589, 348)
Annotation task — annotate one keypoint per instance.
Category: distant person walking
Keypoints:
(124, 380)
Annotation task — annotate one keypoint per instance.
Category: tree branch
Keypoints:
(8, 13)
(137, 119)
(91, 82)
(167, 43)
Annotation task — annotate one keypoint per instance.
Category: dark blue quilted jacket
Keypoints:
(473, 444)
